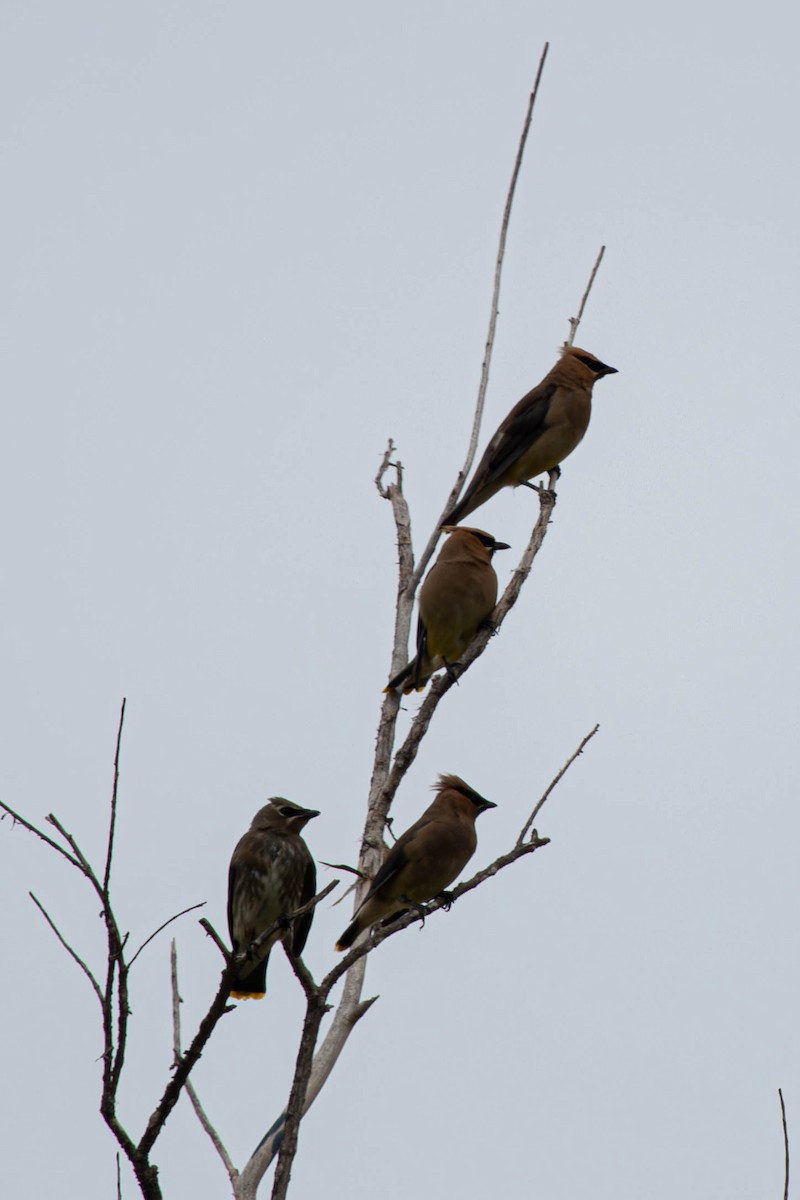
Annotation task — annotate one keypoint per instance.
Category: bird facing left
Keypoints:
(271, 874)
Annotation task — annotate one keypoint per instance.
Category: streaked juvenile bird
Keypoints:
(539, 432)
(271, 874)
(425, 859)
(457, 595)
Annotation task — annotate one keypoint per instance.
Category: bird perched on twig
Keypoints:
(271, 874)
(539, 432)
(425, 859)
(457, 596)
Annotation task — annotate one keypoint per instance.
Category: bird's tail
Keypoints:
(252, 986)
(348, 937)
(410, 679)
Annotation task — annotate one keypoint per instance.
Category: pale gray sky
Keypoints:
(242, 245)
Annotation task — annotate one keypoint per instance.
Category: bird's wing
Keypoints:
(232, 875)
(523, 425)
(303, 924)
(394, 862)
(422, 649)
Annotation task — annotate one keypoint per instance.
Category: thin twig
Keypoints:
(147, 941)
(68, 948)
(342, 867)
(218, 1008)
(18, 820)
(216, 939)
(119, 1179)
(574, 322)
(490, 337)
(112, 820)
(202, 1117)
(83, 862)
(785, 1148)
(553, 783)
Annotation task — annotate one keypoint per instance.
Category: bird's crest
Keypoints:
(457, 784)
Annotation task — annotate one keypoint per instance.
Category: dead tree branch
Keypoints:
(574, 322)
(215, 1139)
(785, 1148)
(68, 948)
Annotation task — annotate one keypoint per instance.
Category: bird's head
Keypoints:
(283, 814)
(454, 783)
(467, 534)
(573, 355)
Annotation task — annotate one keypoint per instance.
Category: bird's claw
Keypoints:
(453, 670)
(446, 899)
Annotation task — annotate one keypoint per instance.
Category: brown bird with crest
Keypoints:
(539, 432)
(425, 859)
(457, 596)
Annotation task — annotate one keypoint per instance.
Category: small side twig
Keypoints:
(574, 322)
(68, 948)
(204, 923)
(553, 783)
(19, 820)
(156, 932)
(112, 821)
(785, 1148)
(202, 1117)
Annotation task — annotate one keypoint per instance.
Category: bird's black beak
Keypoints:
(486, 804)
(309, 813)
(501, 546)
(605, 370)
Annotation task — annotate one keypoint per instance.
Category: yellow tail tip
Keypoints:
(340, 947)
(247, 995)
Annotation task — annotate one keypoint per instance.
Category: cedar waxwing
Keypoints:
(271, 874)
(457, 595)
(425, 859)
(539, 432)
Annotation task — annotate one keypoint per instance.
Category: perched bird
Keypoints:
(457, 595)
(271, 874)
(425, 859)
(539, 432)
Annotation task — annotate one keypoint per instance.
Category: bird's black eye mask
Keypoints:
(595, 365)
(477, 800)
(592, 363)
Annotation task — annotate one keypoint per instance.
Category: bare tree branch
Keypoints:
(68, 948)
(19, 820)
(574, 322)
(489, 349)
(156, 932)
(553, 783)
(83, 862)
(785, 1148)
(216, 939)
(214, 1137)
(112, 821)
